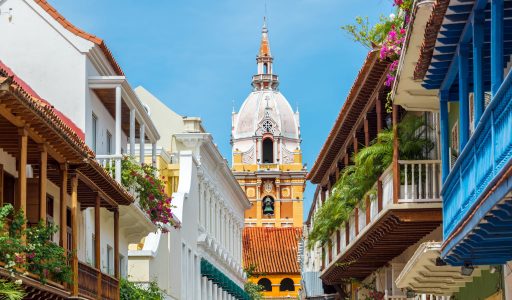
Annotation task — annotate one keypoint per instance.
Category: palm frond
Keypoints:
(357, 181)
(11, 291)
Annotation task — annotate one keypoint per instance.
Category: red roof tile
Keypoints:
(271, 250)
(79, 32)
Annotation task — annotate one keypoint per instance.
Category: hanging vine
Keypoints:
(357, 180)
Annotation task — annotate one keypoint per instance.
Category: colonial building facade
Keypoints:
(79, 75)
(457, 63)
(48, 173)
(202, 259)
(267, 162)
(367, 251)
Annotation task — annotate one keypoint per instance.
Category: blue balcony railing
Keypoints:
(486, 156)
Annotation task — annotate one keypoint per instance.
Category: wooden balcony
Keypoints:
(92, 283)
(478, 191)
(388, 223)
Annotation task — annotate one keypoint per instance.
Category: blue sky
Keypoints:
(198, 56)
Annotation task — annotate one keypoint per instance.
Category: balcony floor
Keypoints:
(484, 237)
(387, 238)
(35, 290)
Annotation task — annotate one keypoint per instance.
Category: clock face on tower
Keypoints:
(267, 186)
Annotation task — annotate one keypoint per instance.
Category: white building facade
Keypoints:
(201, 259)
(78, 73)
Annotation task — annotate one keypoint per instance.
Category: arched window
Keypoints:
(265, 68)
(286, 285)
(266, 284)
(268, 151)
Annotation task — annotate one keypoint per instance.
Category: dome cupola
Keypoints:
(266, 115)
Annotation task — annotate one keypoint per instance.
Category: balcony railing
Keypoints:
(486, 155)
(268, 166)
(109, 162)
(422, 180)
(109, 287)
(88, 280)
(420, 183)
(265, 77)
(395, 297)
(88, 283)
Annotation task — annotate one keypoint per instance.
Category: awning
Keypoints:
(216, 276)
(422, 275)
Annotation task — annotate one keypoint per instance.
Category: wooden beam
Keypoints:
(347, 234)
(378, 110)
(21, 203)
(43, 171)
(396, 166)
(356, 220)
(368, 210)
(497, 25)
(478, 66)
(445, 135)
(63, 205)
(6, 113)
(116, 243)
(379, 195)
(463, 96)
(1, 185)
(356, 144)
(366, 133)
(92, 185)
(74, 234)
(97, 241)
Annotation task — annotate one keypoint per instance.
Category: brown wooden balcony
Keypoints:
(92, 283)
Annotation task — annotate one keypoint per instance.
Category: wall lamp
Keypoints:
(467, 269)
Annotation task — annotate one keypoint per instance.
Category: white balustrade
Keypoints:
(352, 227)
(395, 298)
(374, 209)
(387, 187)
(108, 162)
(421, 181)
(343, 239)
(361, 219)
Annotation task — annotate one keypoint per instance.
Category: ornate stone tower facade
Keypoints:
(267, 159)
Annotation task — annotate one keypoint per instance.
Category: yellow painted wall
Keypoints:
(276, 280)
(284, 188)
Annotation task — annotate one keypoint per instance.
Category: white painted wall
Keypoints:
(165, 119)
(48, 57)
(105, 123)
(173, 259)
(56, 64)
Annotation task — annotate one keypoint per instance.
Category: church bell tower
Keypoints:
(267, 159)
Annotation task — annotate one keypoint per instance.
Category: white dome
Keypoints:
(266, 110)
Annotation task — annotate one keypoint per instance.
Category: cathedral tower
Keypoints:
(267, 162)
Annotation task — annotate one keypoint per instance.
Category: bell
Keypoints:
(268, 210)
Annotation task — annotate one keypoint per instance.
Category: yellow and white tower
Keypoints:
(267, 160)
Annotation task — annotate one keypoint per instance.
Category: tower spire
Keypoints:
(264, 79)
(265, 45)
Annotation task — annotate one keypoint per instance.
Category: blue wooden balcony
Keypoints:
(471, 53)
(477, 205)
